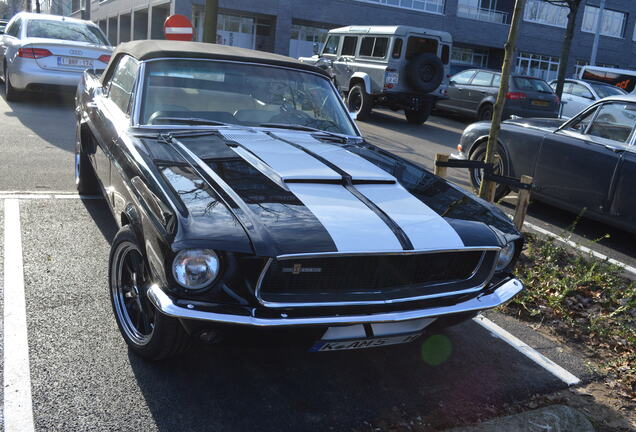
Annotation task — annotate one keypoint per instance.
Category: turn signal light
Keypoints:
(33, 53)
(104, 58)
(516, 96)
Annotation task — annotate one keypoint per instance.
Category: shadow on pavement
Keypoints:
(48, 115)
(99, 211)
(443, 379)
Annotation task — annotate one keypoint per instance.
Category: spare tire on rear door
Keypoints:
(425, 72)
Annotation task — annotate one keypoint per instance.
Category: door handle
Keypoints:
(612, 148)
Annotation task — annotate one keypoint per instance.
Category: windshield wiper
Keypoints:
(190, 120)
(290, 126)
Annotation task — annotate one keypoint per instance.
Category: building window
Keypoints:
(482, 10)
(541, 12)
(431, 6)
(235, 31)
(536, 65)
(304, 37)
(613, 23)
(469, 56)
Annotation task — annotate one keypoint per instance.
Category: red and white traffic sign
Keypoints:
(178, 27)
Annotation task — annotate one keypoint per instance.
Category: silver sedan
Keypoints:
(39, 51)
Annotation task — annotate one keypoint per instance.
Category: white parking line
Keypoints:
(584, 249)
(527, 351)
(18, 412)
(39, 196)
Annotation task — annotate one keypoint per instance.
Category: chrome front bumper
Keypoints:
(499, 296)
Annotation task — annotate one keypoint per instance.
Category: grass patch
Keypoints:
(584, 299)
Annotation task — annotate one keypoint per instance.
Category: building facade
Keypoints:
(479, 27)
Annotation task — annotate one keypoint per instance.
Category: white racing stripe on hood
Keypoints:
(357, 167)
(350, 223)
(288, 161)
(422, 225)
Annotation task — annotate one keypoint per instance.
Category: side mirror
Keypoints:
(316, 48)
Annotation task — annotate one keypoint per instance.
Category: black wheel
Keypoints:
(500, 168)
(10, 93)
(485, 113)
(85, 178)
(425, 72)
(360, 102)
(418, 117)
(147, 332)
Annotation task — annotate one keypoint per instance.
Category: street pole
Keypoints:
(27, 6)
(597, 33)
(210, 17)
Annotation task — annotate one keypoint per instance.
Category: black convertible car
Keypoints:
(249, 203)
(586, 164)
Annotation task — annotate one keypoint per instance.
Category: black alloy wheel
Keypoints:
(485, 113)
(499, 168)
(147, 332)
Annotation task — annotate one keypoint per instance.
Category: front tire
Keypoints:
(500, 168)
(147, 332)
(360, 102)
(485, 113)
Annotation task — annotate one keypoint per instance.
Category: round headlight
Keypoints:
(195, 268)
(506, 254)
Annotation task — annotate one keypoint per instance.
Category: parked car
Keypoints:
(579, 94)
(398, 67)
(247, 199)
(39, 51)
(587, 163)
(473, 92)
(3, 24)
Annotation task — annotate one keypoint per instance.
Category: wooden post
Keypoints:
(210, 17)
(522, 203)
(440, 170)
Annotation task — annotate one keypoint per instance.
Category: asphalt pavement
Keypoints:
(82, 377)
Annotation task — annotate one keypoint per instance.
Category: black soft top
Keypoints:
(152, 49)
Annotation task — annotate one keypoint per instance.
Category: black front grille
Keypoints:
(374, 277)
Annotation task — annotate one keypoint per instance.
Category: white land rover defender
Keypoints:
(398, 67)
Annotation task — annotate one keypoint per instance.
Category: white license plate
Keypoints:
(540, 103)
(74, 62)
(337, 345)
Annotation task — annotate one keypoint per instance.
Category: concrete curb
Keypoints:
(556, 418)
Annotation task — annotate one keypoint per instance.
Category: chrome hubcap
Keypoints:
(134, 313)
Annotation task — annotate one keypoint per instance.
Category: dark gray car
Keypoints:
(473, 92)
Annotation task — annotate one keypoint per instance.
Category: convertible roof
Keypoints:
(152, 49)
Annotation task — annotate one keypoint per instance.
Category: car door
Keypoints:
(112, 114)
(342, 69)
(576, 163)
(457, 92)
(623, 208)
(478, 89)
(578, 98)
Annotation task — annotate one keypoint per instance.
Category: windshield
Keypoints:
(242, 94)
(66, 30)
(532, 84)
(604, 90)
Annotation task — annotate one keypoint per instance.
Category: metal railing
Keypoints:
(489, 15)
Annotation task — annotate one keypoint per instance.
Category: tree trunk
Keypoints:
(567, 44)
(37, 6)
(487, 187)
(210, 20)
(27, 6)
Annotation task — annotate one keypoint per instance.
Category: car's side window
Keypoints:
(581, 91)
(374, 46)
(614, 121)
(482, 79)
(463, 77)
(331, 46)
(397, 48)
(122, 82)
(581, 123)
(496, 81)
(349, 46)
(14, 28)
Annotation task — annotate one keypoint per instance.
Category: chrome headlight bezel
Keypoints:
(208, 268)
(506, 256)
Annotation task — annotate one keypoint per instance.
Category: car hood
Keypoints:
(288, 192)
(551, 124)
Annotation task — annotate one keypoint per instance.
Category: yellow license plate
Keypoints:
(540, 103)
